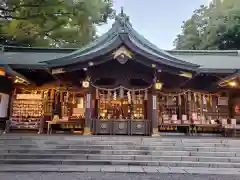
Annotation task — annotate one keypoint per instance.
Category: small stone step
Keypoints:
(122, 162)
(121, 152)
(121, 147)
(120, 157)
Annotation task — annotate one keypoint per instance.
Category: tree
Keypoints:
(216, 26)
(53, 22)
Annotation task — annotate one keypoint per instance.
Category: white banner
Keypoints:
(4, 100)
(154, 98)
(88, 101)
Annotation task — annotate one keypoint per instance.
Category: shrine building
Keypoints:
(119, 84)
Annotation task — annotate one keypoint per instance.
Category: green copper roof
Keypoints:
(121, 33)
(209, 61)
(214, 59)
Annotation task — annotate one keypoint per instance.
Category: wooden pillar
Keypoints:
(154, 114)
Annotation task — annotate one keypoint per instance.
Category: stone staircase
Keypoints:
(109, 150)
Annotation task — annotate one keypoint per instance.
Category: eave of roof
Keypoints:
(14, 74)
(211, 60)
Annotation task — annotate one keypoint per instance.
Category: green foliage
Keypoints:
(216, 26)
(53, 22)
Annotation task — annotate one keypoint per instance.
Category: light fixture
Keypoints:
(85, 69)
(85, 84)
(90, 64)
(158, 85)
(153, 65)
(2, 72)
(232, 83)
(19, 80)
(186, 74)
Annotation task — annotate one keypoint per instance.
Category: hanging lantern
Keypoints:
(121, 93)
(52, 94)
(189, 96)
(45, 94)
(139, 95)
(97, 93)
(115, 95)
(109, 95)
(61, 96)
(129, 97)
(195, 97)
(179, 100)
(210, 100)
(133, 96)
(67, 97)
(56, 97)
(146, 95)
(204, 100)
(158, 85)
(73, 99)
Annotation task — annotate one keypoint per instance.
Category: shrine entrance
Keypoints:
(121, 111)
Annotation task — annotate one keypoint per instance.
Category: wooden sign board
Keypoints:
(29, 96)
(222, 101)
(58, 71)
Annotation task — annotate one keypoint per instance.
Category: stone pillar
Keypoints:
(88, 119)
(154, 115)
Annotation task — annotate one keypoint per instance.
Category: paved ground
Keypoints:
(111, 176)
(116, 169)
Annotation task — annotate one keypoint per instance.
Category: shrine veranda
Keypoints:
(120, 84)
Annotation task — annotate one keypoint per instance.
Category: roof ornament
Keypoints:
(121, 21)
(122, 55)
(122, 11)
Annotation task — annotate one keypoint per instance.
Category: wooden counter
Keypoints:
(67, 123)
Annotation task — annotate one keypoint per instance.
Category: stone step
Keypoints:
(112, 138)
(122, 147)
(119, 143)
(120, 157)
(121, 162)
(122, 152)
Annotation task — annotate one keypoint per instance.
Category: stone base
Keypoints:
(155, 132)
(87, 131)
(156, 135)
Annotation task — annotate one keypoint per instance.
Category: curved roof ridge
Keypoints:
(62, 61)
(163, 54)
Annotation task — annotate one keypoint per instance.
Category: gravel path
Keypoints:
(112, 176)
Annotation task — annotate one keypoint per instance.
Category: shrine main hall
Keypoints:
(119, 84)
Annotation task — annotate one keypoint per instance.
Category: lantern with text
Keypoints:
(85, 84)
(158, 85)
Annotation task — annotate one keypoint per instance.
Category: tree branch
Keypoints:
(33, 16)
(28, 6)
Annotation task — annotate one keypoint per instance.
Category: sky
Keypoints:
(157, 20)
